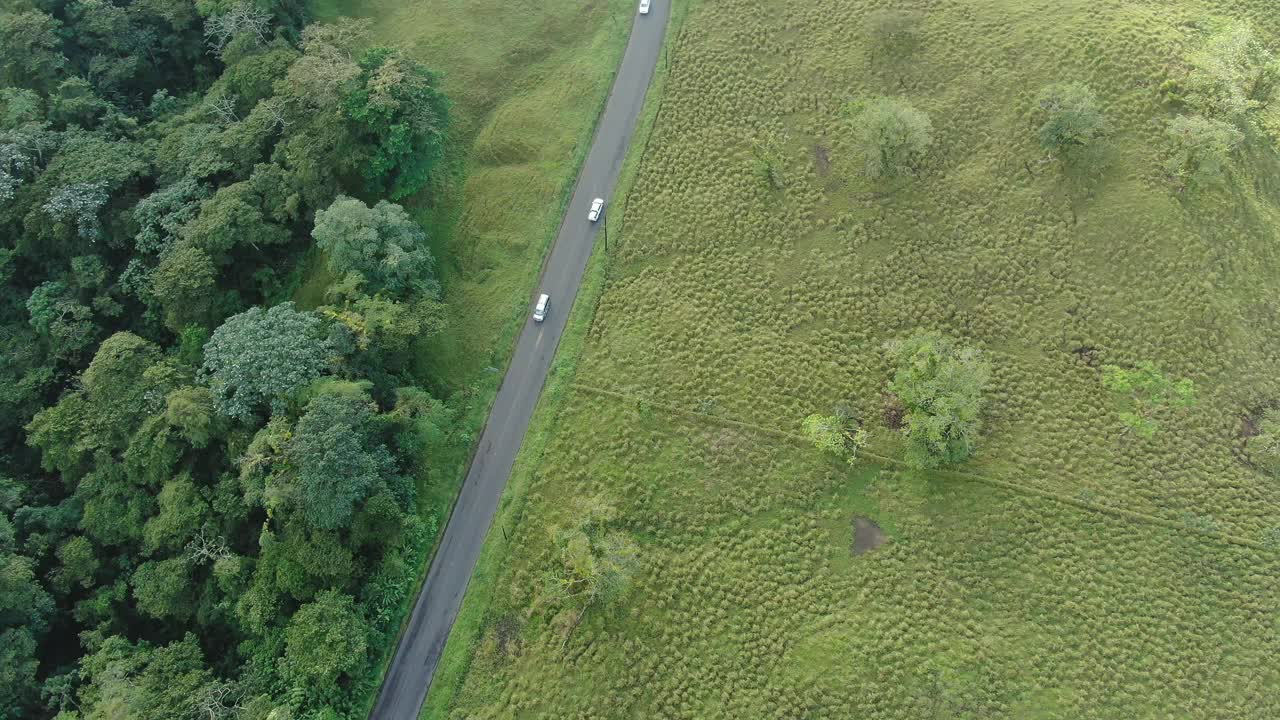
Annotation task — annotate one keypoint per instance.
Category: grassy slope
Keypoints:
(744, 303)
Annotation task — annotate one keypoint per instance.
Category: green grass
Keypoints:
(1065, 583)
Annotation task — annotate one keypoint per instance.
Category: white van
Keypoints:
(540, 310)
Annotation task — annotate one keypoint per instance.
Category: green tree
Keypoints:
(1201, 149)
(30, 49)
(382, 243)
(325, 640)
(940, 385)
(1232, 75)
(183, 283)
(835, 434)
(162, 588)
(78, 564)
(235, 216)
(1071, 120)
(401, 118)
(338, 457)
(25, 610)
(890, 137)
(191, 410)
(1145, 391)
(262, 358)
(142, 682)
(593, 563)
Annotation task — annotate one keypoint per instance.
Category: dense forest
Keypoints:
(208, 501)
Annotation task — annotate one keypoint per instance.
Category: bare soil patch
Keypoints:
(867, 535)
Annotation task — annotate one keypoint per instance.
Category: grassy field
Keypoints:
(1149, 589)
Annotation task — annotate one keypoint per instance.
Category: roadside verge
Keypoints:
(472, 618)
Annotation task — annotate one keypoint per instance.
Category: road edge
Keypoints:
(455, 662)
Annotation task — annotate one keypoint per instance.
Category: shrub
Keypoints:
(835, 434)
(1264, 448)
(1145, 390)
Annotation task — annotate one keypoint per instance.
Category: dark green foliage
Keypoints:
(169, 467)
(401, 116)
(260, 358)
(338, 457)
(940, 384)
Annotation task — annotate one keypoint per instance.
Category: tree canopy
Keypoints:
(940, 385)
(208, 495)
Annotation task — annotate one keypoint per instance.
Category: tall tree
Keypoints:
(889, 136)
(260, 358)
(381, 243)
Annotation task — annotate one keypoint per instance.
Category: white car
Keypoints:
(540, 310)
(644, 7)
(597, 207)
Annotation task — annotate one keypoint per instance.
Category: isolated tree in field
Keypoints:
(1071, 120)
(939, 384)
(1144, 391)
(835, 434)
(594, 563)
(382, 243)
(263, 357)
(1232, 75)
(1201, 150)
(1264, 448)
(889, 136)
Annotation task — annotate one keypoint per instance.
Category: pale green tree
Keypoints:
(889, 136)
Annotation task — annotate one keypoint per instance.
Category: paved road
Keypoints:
(409, 675)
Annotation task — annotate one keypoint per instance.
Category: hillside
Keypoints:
(1075, 567)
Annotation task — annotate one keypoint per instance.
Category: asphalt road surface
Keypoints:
(409, 676)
